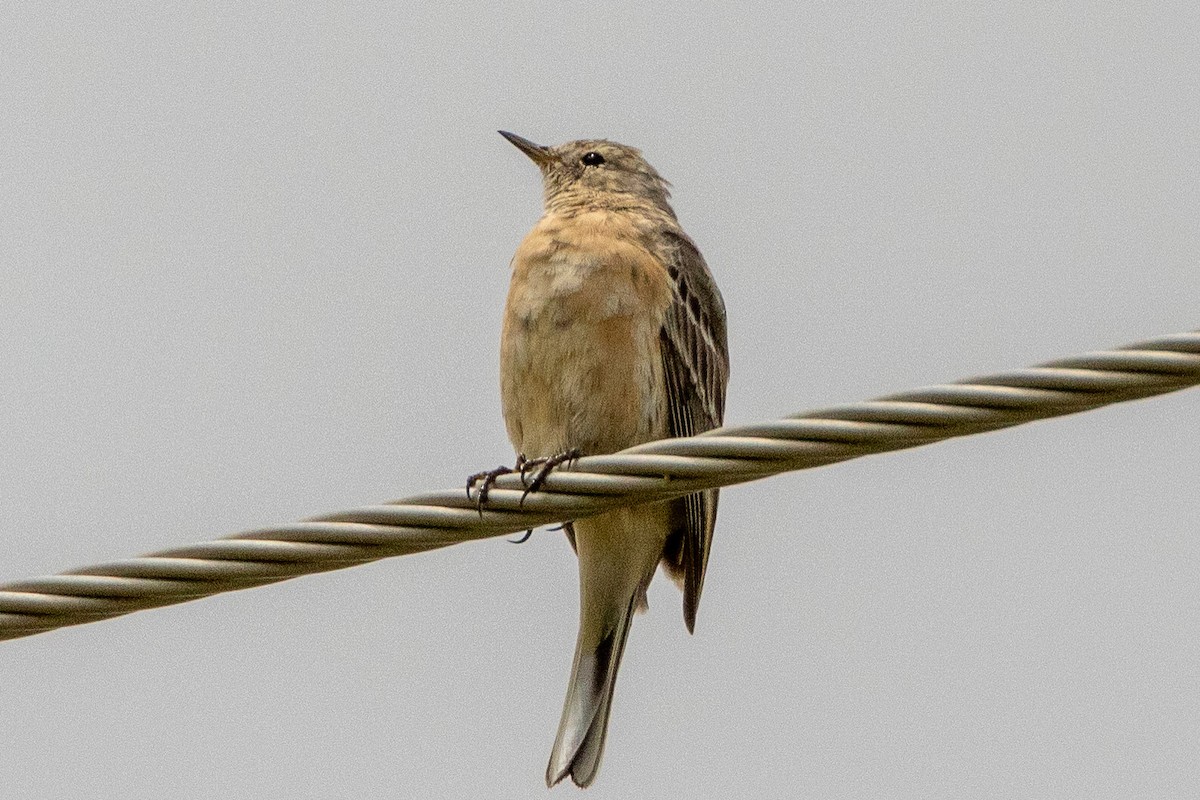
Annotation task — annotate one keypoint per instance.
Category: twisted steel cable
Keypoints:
(654, 471)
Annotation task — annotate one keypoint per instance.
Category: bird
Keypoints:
(614, 334)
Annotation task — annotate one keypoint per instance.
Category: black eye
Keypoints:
(592, 159)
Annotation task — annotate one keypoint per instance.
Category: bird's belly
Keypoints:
(582, 359)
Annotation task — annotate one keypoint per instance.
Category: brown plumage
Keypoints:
(614, 335)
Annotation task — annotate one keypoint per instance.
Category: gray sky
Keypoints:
(252, 263)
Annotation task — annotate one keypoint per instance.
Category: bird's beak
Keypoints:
(541, 155)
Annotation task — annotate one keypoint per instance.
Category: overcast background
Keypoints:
(252, 264)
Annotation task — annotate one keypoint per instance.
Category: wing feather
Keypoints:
(696, 364)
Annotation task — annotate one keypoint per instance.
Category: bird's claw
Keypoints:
(544, 466)
(482, 482)
(523, 539)
(486, 480)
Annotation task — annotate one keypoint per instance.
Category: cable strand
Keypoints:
(654, 471)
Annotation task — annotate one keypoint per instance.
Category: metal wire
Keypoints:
(654, 471)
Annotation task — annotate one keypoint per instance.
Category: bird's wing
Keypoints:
(696, 365)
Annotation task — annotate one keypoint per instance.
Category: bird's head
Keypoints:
(594, 172)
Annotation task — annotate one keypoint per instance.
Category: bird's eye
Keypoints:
(592, 159)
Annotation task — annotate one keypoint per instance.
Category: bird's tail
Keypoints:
(580, 742)
(618, 552)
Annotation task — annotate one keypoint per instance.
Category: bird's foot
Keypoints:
(543, 466)
(487, 479)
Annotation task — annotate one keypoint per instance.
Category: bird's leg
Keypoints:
(545, 466)
(524, 464)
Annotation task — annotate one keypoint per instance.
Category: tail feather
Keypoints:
(618, 552)
(579, 745)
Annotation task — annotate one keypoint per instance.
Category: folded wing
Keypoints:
(695, 355)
